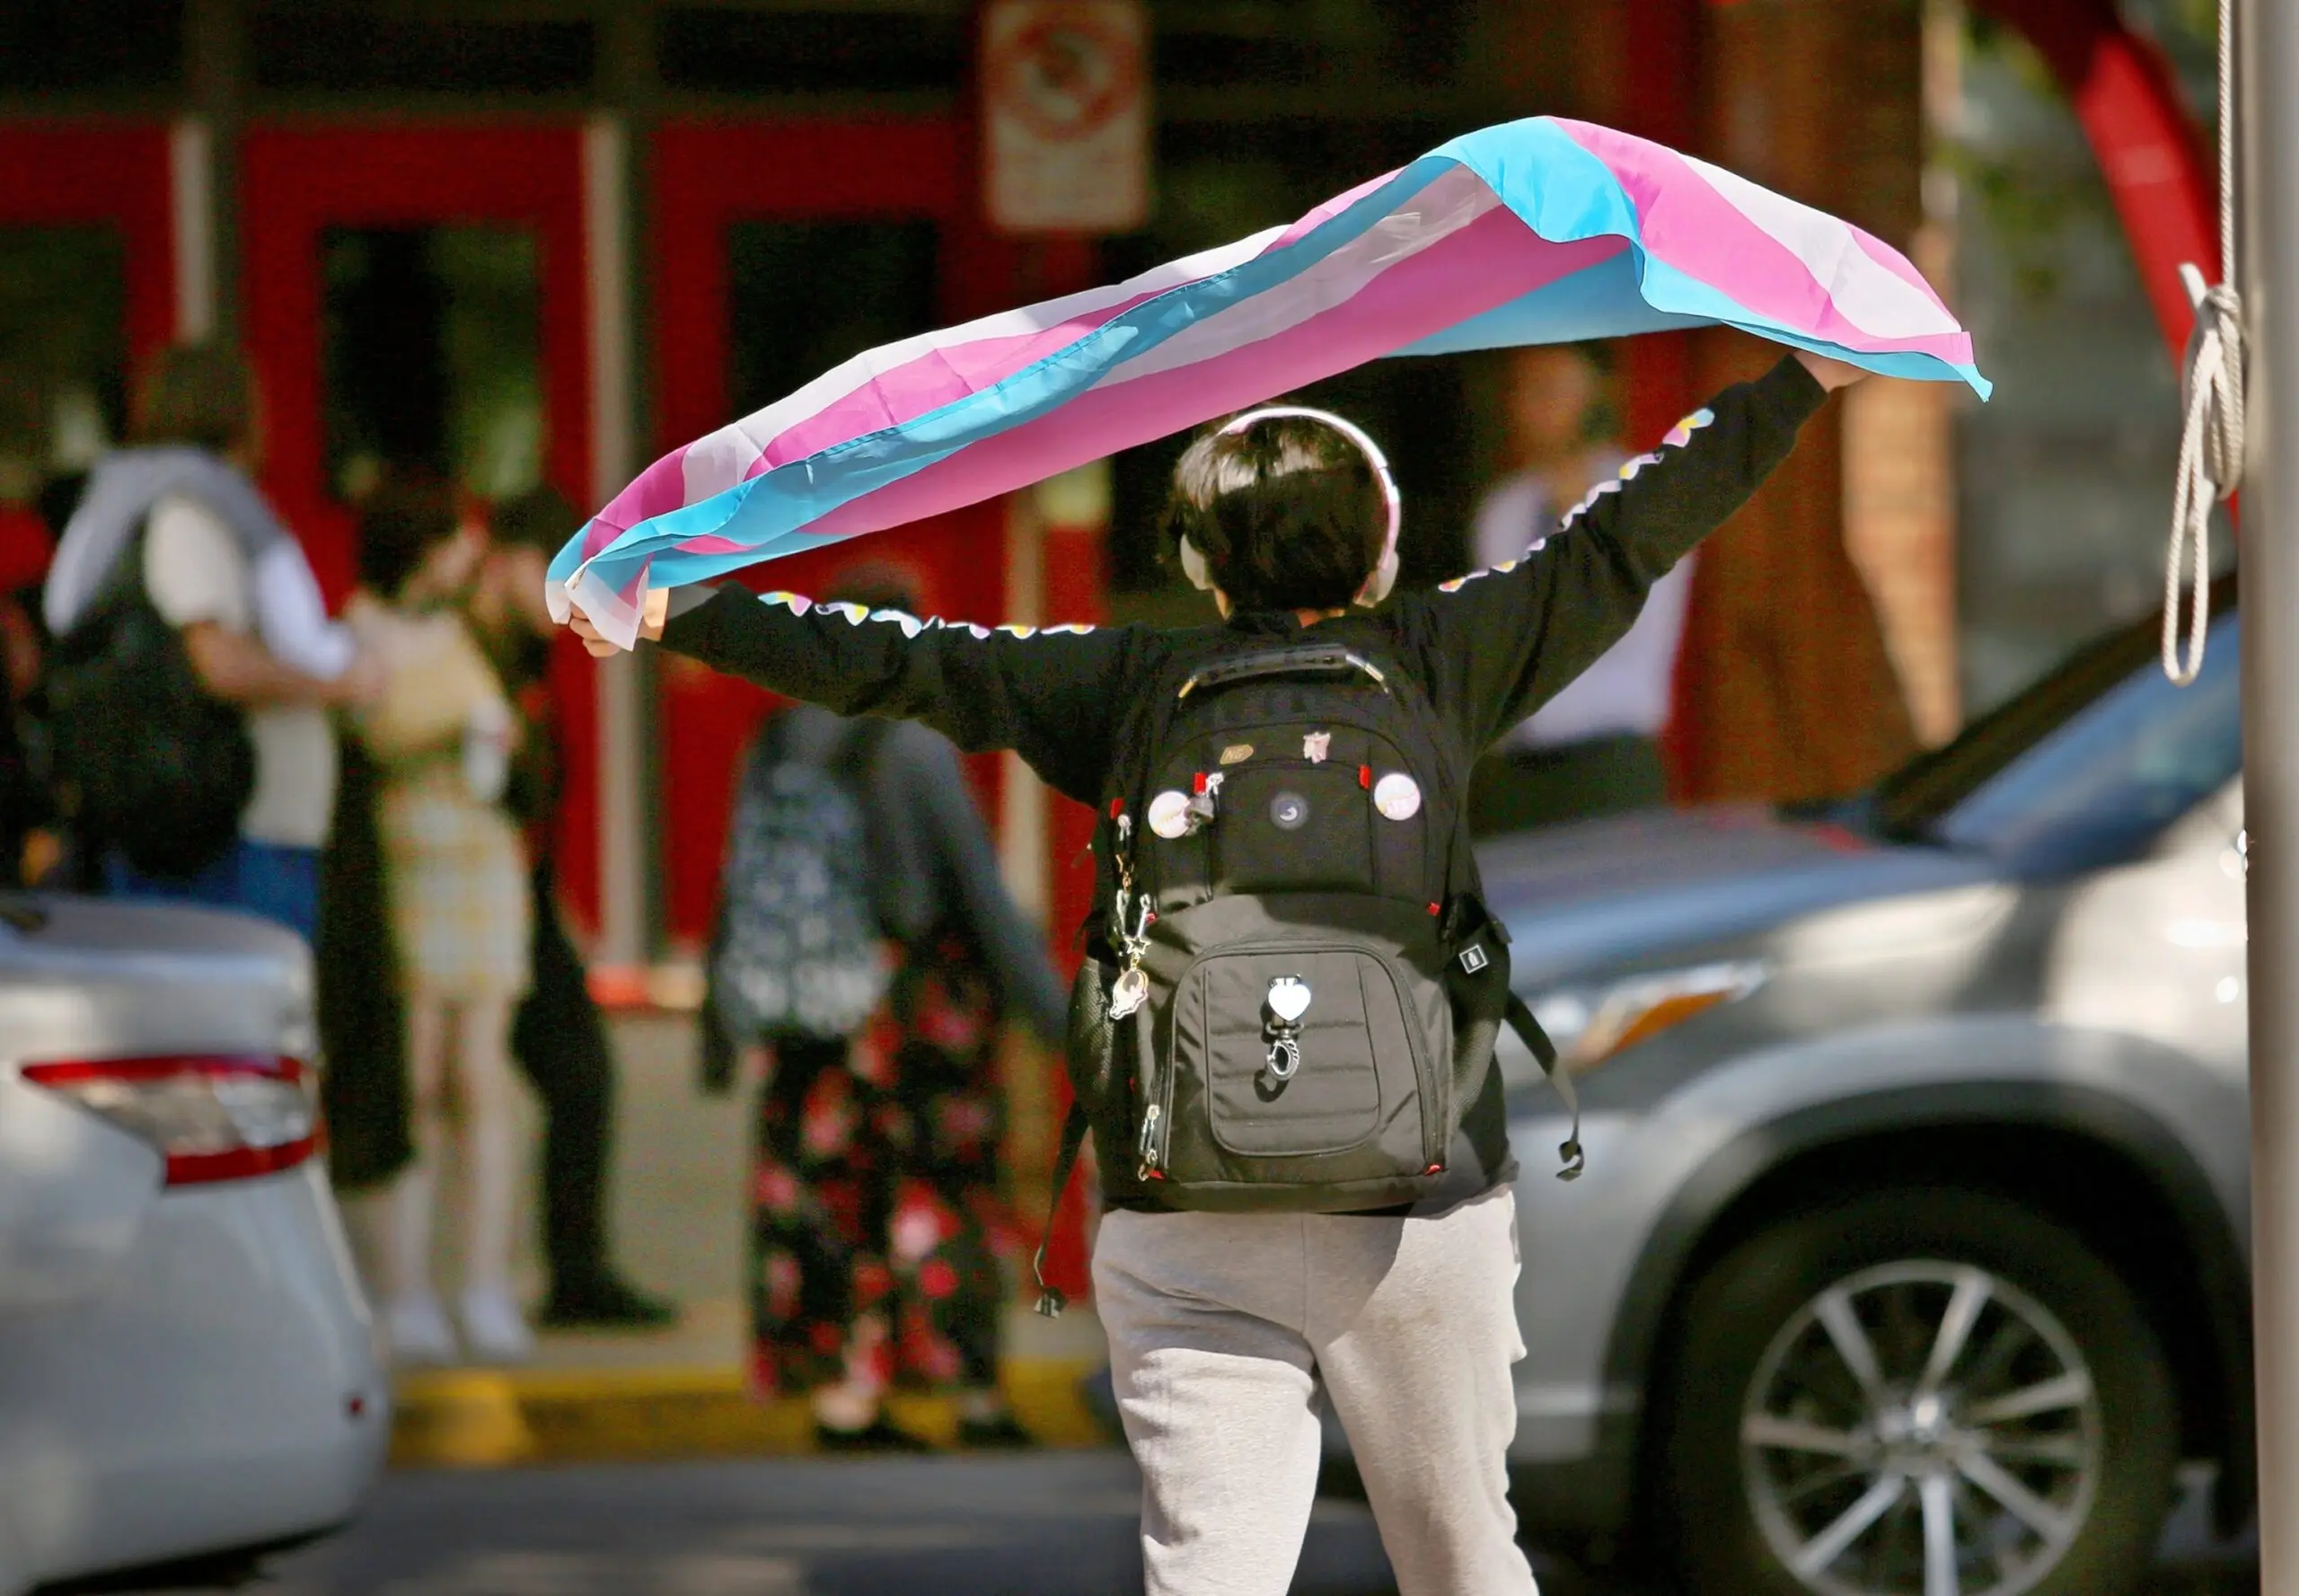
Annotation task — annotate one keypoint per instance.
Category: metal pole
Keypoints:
(2268, 99)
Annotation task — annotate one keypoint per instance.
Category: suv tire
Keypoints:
(2044, 1453)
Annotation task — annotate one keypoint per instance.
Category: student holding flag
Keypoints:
(1288, 945)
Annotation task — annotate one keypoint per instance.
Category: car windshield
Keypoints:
(2087, 765)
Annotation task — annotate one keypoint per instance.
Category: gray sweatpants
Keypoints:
(1216, 1323)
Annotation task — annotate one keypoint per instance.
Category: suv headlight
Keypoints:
(1592, 1023)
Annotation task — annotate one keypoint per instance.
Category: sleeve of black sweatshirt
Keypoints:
(1054, 697)
(1500, 643)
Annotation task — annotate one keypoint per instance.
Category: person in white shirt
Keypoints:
(219, 566)
(1594, 748)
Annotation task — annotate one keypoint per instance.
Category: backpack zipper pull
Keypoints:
(1151, 1145)
(1203, 803)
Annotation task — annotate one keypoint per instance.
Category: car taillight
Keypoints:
(213, 1116)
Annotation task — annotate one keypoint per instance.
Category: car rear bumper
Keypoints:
(222, 1389)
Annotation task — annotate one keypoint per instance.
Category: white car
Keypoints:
(188, 1369)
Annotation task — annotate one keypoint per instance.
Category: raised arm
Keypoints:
(1053, 696)
(1501, 642)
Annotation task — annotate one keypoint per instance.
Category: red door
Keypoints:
(87, 287)
(416, 296)
(780, 250)
(109, 180)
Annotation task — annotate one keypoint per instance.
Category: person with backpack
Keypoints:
(1282, 1038)
(194, 664)
(866, 952)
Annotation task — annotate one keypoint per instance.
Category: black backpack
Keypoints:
(1296, 987)
(798, 949)
(151, 764)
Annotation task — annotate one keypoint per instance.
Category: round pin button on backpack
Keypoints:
(1397, 795)
(1169, 813)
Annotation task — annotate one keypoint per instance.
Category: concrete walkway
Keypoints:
(681, 1171)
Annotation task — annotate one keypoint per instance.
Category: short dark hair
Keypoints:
(1287, 513)
(201, 394)
(541, 517)
(403, 517)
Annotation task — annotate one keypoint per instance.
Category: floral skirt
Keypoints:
(874, 1194)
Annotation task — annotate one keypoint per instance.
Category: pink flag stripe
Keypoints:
(1441, 209)
(916, 376)
(1684, 220)
(1488, 263)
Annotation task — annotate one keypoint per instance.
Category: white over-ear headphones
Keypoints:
(1384, 572)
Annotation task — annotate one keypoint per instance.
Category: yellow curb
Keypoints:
(460, 1418)
(482, 1418)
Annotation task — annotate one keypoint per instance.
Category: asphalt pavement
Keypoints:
(1040, 1524)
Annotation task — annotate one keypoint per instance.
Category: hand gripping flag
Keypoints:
(1542, 231)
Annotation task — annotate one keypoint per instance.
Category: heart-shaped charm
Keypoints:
(1289, 998)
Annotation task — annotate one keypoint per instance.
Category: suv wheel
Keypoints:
(1918, 1393)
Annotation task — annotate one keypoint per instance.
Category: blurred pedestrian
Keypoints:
(557, 1036)
(1594, 748)
(358, 1003)
(874, 1183)
(195, 662)
(28, 847)
(454, 874)
(27, 543)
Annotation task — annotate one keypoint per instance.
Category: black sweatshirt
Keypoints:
(1488, 649)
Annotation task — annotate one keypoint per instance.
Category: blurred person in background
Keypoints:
(1594, 748)
(358, 1003)
(558, 1037)
(875, 1181)
(175, 585)
(456, 884)
(27, 848)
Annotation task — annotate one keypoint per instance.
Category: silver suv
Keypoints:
(1911, 1253)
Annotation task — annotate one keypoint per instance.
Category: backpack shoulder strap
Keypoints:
(1050, 1299)
(1536, 1040)
(122, 591)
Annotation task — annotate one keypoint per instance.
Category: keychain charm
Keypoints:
(1288, 1000)
(1131, 988)
(1130, 992)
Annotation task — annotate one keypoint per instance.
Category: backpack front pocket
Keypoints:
(1299, 1049)
(1290, 826)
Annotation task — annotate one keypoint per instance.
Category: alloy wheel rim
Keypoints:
(1921, 1428)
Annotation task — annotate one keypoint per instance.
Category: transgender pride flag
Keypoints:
(1542, 231)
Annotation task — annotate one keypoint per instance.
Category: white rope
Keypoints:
(2211, 433)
